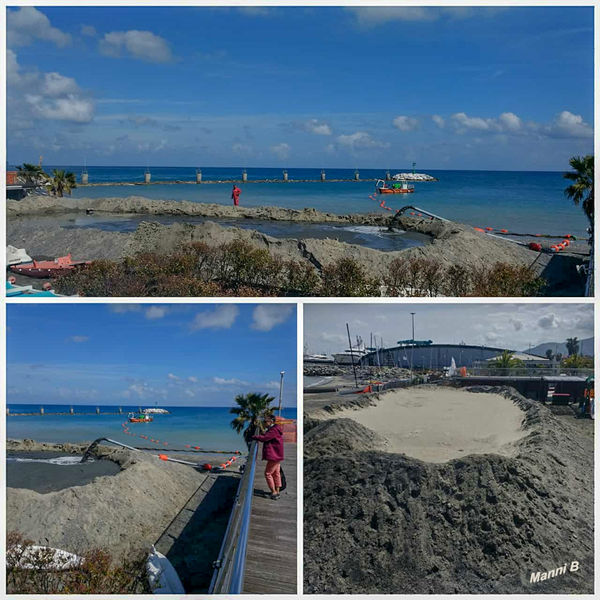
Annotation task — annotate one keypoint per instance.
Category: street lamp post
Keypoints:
(282, 373)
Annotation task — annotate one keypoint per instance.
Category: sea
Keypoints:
(519, 201)
(206, 427)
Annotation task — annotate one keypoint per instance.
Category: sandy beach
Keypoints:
(439, 424)
(125, 511)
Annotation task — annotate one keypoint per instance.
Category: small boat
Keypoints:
(49, 268)
(16, 256)
(155, 411)
(402, 187)
(139, 418)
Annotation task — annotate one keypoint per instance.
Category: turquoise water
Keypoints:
(521, 201)
(206, 427)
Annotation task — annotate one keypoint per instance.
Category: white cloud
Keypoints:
(25, 25)
(547, 321)
(375, 15)
(509, 121)
(272, 385)
(143, 45)
(462, 121)
(317, 127)
(124, 308)
(193, 379)
(156, 312)
(78, 339)
(371, 16)
(33, 95)
(55, 84)
(232, 381)
(439, 121)
(221, 317)
(70, 108)
(267, 316)
(360, 140)
(88, 31)
(567, 124)
(282, 150)
(404, 123)
(173, 377)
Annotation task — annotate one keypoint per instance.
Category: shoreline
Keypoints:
(448, 243)
(135, 505)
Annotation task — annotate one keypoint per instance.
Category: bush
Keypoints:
(97, 574)
(347, 277)
(238, 268)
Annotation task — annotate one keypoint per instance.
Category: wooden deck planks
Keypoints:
(271, 558)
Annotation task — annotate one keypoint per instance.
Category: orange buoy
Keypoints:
(163, 457)
(489, 229)
(504, 231)
(478, 229)
(207, 467)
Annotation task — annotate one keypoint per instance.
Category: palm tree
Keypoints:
(31, 175)
(61, 182)
(549, 354)
(506, 361)
(582, 188)
(572, 346)
(250, 410)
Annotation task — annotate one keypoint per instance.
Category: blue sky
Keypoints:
(170, 354)
(465, 88)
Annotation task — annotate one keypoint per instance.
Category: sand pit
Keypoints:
(440, 424)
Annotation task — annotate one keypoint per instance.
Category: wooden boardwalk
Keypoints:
(271, 561)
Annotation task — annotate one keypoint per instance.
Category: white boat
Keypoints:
(350, 356)
(156, 411)
(16, 256)
(317, 358)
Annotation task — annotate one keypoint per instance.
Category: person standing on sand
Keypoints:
(272, 452)
(235, 195)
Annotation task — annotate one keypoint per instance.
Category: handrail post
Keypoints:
(228, 576)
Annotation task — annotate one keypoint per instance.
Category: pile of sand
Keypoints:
(384, 522)
(438, 424)
(123, 513)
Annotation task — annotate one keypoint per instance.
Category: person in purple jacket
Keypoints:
(272, 440)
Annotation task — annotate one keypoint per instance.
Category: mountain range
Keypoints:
(586, 348)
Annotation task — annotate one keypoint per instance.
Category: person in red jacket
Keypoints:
(272, 452)
(235, 195)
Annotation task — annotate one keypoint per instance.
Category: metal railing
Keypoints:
(529, 372)
(228, 574)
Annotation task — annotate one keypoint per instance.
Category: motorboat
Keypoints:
(48, 268)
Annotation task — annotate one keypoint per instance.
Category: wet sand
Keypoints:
(440, 424)
(43, 476)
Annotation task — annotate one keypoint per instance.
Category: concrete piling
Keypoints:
(41, 410)
(322, 175)
(244, 176)
(356, 175)
(84, 177)
(198, 176)
(147, 176)
(388, 177)
(285, 176)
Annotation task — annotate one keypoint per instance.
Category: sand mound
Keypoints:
(125, 512)
(438, 424)
(379, 522)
